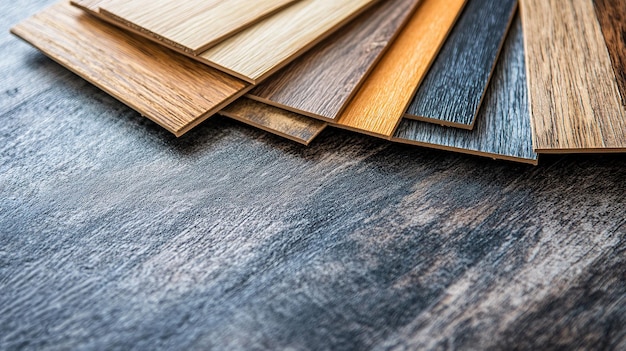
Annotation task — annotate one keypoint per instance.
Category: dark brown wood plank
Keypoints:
(612, 17)
(287, 124)
(502, 128)
(170, 89)
(454, 87)
(320, 83)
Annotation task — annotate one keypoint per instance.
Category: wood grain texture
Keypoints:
(380, 103)
(321, 82)
(115, 235)
(170, 89)
(264, 48)
(193, 25)
(274, 120)
(612, 17)
(453, 89)
(503, 125)
(575, 100)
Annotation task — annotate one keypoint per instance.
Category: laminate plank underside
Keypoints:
(287, 124)
(321, 82)
(575, 100)
(612, 17)
(168, 88)
(193, 25)
(453, 89)
(502, 128)
(380, 103)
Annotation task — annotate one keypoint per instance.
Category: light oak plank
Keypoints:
(193, 25)
(287, 124)
(264, 48)
(320, 83)
(612, 17)
(575, 100)
(502, 129)
(454, 87)
(168, 88)
(380, 103)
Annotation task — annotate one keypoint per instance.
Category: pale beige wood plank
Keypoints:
(193, 25)
(168, 88)
(575, 100)
(380, 103)
(260, 50)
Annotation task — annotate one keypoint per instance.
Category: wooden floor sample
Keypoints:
(192, 26)
(575, 100)
(264, 48)
(92, 6)
(502, 128)
(454, 87)
(320, 83)
(380, 103)
(274, 120)
(612, 17)
(168, 88)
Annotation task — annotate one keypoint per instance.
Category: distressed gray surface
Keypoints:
(115, 235)
(453, 89)
(503, 124)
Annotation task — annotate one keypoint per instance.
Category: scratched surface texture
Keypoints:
(114, 235)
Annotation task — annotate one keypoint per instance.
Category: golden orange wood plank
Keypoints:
(379, 105)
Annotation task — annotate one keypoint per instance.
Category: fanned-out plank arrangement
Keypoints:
(468, 76)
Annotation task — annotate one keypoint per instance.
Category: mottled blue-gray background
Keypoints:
(116, 235)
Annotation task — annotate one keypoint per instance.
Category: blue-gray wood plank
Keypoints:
(453, 89)
(503, 124)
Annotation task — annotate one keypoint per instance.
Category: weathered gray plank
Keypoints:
(454, 87)
(503, 124)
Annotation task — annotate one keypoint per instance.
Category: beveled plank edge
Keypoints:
(492, 156)
(598, 151)
(443, 123)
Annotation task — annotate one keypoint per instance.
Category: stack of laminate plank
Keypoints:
(472, 76)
